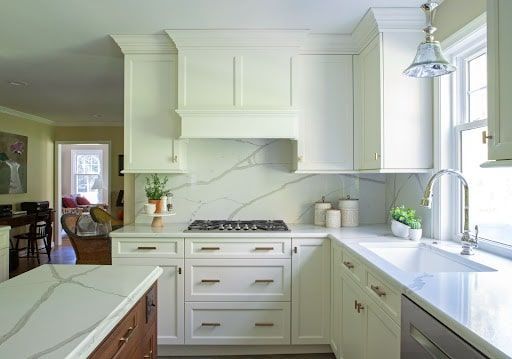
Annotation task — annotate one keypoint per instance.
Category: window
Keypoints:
(490, 189)
(87, 174)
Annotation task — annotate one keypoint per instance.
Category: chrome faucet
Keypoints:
(468, 241)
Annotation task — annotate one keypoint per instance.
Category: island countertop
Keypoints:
(65, 311)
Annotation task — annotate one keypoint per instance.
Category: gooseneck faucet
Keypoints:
(468, 241)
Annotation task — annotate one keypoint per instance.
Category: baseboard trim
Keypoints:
(208, 350)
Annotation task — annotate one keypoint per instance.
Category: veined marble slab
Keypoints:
(65, 311)
(475, 305)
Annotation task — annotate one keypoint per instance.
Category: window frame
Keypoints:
(74, 172)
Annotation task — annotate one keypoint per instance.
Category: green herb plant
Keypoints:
(406, 216)
(155, 187)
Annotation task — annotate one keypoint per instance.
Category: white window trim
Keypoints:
(74, 154)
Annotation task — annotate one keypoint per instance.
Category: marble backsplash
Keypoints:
(252, 179)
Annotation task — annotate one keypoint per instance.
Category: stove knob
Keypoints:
(221, 227)
(229, 227)
(238, 227)
(254, 227)
(246, 227)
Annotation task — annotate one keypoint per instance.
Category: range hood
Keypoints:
(237, 83)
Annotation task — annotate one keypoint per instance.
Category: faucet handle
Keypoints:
(475, 243)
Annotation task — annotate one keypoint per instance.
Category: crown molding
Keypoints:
(89, 124)
(145, 44)
(240, 38)
(377, 20)
(26, 116)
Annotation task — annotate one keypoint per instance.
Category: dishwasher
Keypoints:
(423, 336)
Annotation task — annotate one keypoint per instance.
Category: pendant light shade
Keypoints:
(429, 60)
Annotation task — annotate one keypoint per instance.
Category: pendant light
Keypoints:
(429, 60)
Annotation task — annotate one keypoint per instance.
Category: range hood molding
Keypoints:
(238, 83)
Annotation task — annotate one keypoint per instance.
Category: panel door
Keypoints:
(336, 299)
(151, 96)
(369, 105)
(311, 286)
(382, 334)
(326, 135)
(4, 265)
(500, 79)
(171, 297)
(352, 321)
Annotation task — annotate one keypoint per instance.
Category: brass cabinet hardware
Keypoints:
(210, 324)
(210, 281)
(145, 247)
(263, 324)
(376, 156)
(349, 265)
(179, 270)
(378, 290)
(360, 307)
(210, 248)
(300, 158)
(295, 250)
(264, 281)
(128, 334)
(264, 248)
(355, 304)
(485, 137)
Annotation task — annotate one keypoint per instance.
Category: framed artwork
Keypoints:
(13, 163)
(120, 164)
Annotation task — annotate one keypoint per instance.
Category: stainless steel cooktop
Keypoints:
(237, 226)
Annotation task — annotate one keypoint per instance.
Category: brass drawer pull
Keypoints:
(210, 248)
(485, 137)
(264, 281)
(210, 280)
(378, 290)
(349, 265)
(143, 247)
(360, 307)
(264, 248)
(210, 324)
(128, 334)
(355, 304)
(263, 324)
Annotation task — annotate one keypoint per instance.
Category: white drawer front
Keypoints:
(237, 279)
(148, 247)
(238, 248)
(237, 323)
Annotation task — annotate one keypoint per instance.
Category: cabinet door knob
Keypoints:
(295, 250)
(360, 307)
(174, 158)
(300, 158)
(376, 156)
(179, 270)
(355, 304)
(485, 137)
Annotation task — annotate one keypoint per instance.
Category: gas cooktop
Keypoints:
(237, 226)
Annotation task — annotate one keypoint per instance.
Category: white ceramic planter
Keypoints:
(415, 234)
(399, 229)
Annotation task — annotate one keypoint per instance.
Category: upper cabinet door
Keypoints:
(500, 79)
(151, 124)
(326, 114)
(369, 119)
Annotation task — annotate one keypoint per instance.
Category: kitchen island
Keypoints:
(68, 311)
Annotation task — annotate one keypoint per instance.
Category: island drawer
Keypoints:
(354, 267)
(237, 323)
(238, 248)
(237, 279)
(388, 298)
(147, 247)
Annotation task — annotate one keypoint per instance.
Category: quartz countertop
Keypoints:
(476, 305)
(65, 311)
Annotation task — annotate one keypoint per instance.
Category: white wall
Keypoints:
(251, 179)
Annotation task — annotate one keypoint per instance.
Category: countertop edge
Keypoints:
(96, 336)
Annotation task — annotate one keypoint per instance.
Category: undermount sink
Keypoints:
(422, 257)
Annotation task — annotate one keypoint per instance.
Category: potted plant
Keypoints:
(415, 230)
(155, 190)
(400, 217)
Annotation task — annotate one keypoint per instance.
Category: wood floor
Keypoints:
(277, 356)
(60, 255)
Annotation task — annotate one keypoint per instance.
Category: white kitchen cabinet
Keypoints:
(336, 299)
(311, 286)
(151, 125)
(499, 58)
(326, 120)
(4, 253)
(352, 328)
(382, 339)
(393, 112)
(171, 297)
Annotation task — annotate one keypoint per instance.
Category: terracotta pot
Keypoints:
(158, 204)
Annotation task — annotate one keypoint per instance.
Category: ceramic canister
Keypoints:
(333, 218)
(349, 212)
(320, 209)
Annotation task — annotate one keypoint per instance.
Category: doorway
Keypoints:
(82, 175)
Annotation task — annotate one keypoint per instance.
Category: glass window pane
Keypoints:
(478, 105)
(490, 189)
(477, 70)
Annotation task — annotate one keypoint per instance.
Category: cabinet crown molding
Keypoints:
(145, 44)
(241, 38)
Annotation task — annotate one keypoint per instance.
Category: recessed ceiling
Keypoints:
(74, 71)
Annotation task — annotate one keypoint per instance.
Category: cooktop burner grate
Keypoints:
(242, 226)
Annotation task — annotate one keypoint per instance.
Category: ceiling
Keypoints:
(73, 70)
